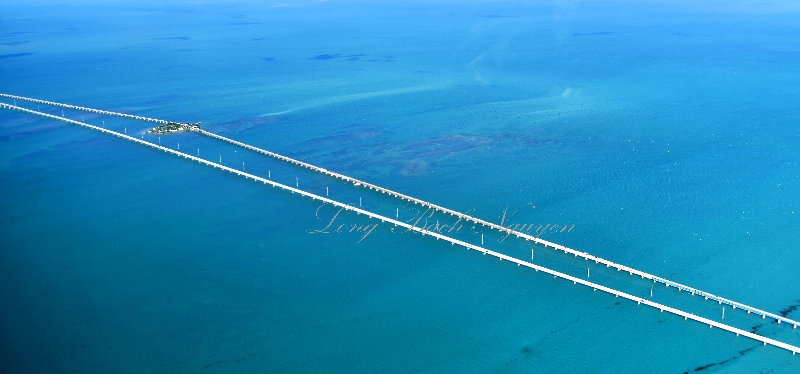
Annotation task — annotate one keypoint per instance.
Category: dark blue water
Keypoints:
(664, 134)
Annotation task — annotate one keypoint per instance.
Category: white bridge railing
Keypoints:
(527, 237)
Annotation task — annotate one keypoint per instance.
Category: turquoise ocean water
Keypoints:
(664, 134)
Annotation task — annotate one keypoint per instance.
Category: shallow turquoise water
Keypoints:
(665, 133)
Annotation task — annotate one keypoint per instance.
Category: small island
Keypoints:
(173, 127)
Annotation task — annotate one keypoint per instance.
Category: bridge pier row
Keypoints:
(556, 274)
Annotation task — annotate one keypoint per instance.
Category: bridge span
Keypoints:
(91, 110)
(510, 231)
(453, 241)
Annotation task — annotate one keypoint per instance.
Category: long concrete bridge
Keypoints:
(91, 110)
(453, 241)
(512, 231)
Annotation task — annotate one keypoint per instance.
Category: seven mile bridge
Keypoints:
(507, 230)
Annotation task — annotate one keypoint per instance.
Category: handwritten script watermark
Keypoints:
(425, 221)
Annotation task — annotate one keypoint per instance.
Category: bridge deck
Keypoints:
(587, 256)
(509, 231)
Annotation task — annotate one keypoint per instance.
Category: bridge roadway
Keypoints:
(466, 217)
(555, 274)
(98, 111)
(509, 231)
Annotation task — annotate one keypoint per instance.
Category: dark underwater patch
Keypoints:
(257, 39)
(329, 56)
(789, 309)
(17, 43)
(15, 55)
(14, 33)
(18, 133)
(408, 158)
(436, 148)
(704, 367)
(353, 58)
(325, 57)
(332, 141)
(269, 59)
